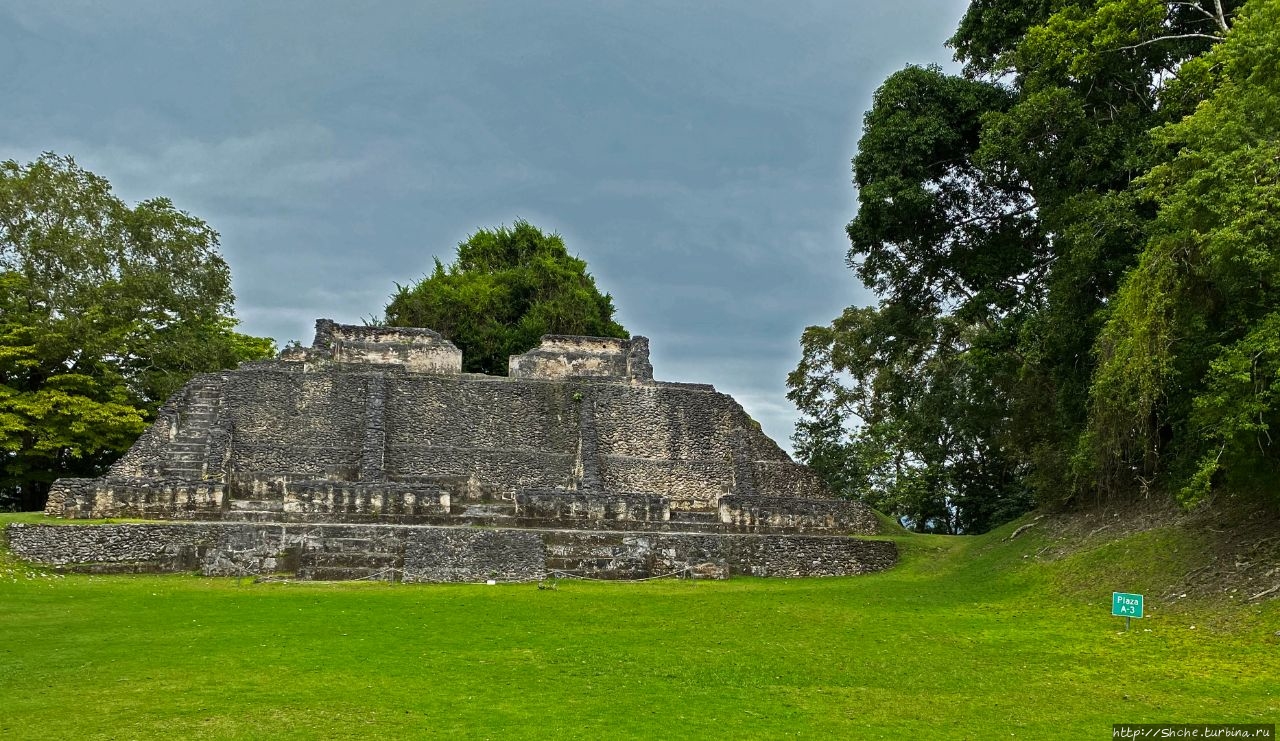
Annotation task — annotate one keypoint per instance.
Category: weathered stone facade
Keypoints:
(377, 425)
(437, 554)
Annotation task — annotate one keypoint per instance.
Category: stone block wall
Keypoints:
(579, 413)
(125, 548)
(426, 553)
(415, 349)
(590, 505)
(786, 478)
(680, 441)
(470, 555)
(761, 514)
(686, 443)
(299, 423)
(142, 498)
(389, 500)
(506, 434)
(562, 356)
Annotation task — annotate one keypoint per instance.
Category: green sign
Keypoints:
(1126, 605)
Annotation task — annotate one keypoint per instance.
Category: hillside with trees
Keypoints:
(1074, 248)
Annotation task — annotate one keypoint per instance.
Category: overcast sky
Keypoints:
(695, 154)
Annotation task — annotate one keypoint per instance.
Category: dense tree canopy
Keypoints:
(1188, 383)
(105, 310)
(506, 288)
(1075, 294)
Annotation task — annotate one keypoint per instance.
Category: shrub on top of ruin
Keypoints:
(506, 288)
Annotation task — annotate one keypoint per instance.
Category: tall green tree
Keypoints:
(997, 218)
(924, 436)
(105, 310)
(1187, 391)
(506, 288)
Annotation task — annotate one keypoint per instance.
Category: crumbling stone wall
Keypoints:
(681, 441)
(762, 514)
(416, 349)
(609, 473)
(591, 505)
(328, 429)
(563, 356)
(143, 498)
(376, 499)
(640, 555)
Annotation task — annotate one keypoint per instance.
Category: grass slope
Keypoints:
(968, 638)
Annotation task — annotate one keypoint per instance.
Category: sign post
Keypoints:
(1127, 606)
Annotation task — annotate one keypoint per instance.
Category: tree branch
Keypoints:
(1196, 7)
(994, 217)
(1170, 38)
(1222, 17)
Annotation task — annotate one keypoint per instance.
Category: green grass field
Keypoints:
(976, 638)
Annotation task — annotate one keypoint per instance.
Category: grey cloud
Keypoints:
(695, 154)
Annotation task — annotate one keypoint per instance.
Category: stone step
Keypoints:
(339, 573)
(616, 526)
(494, 510)
(622, 568)
(181, 446)
(678, 515)
(676, 526)
(184, 472)
(257, 505)
(240, 515)
(185, 456)
(349, 545)
(580, 565)
(350, 559)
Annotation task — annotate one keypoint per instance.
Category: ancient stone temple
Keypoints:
(370, 454)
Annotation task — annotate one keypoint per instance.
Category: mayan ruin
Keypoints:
(370, 454)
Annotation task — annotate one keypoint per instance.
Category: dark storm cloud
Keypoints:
(695, 154)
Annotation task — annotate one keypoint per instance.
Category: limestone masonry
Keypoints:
(371, 454)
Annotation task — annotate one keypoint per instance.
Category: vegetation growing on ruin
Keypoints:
(983, 637)
(506, 288)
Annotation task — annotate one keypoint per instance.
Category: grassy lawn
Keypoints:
(968, 638)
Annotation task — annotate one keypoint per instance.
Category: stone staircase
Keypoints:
(186, 455)
(254, 510)
(350, 558)
(690, 520)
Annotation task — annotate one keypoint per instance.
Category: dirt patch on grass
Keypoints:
(1228, 549)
